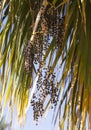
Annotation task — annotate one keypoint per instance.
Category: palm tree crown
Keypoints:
(45, 54)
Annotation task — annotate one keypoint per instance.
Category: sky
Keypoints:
(44, 123)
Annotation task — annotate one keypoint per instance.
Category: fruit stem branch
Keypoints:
(41, 11)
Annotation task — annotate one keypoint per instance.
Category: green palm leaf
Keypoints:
(67, 52)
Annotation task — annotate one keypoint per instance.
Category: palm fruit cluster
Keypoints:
(45, 88)
(51, 25)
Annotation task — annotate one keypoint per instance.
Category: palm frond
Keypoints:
(52, 41)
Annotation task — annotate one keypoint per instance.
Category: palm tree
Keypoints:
(45, 51)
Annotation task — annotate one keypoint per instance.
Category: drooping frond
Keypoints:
(50, 40)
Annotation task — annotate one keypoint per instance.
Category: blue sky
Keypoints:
(44, 124)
